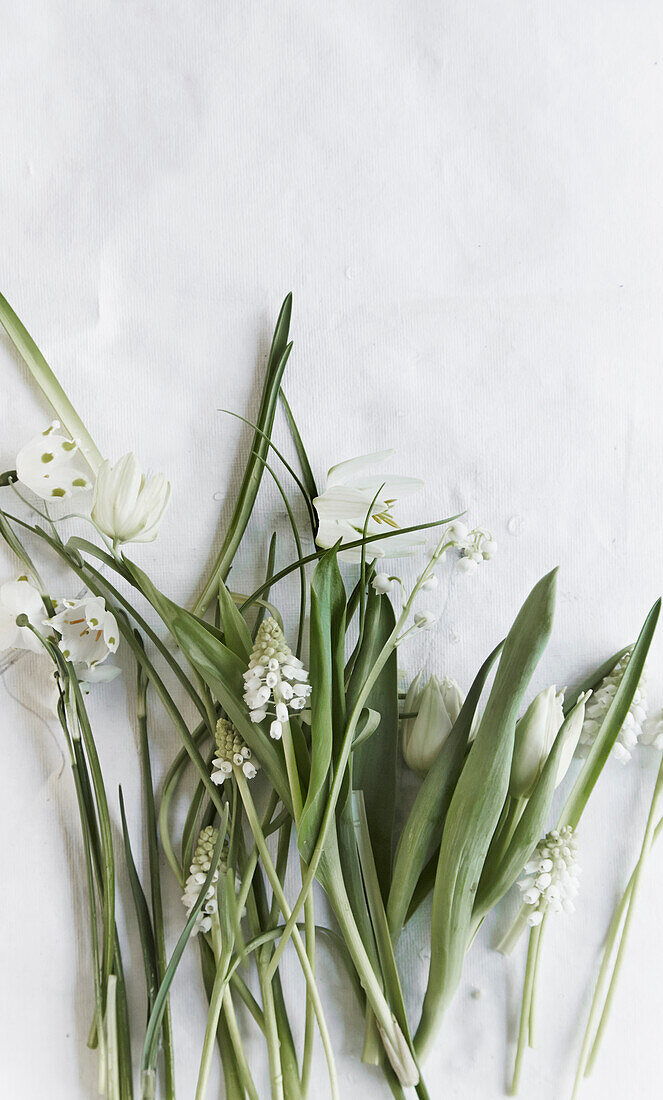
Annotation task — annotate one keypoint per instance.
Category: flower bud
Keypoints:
(438, 706)
(535, 734)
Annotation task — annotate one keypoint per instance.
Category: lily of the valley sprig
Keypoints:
(292, 731)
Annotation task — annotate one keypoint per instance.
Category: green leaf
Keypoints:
(497, 878)
(423, 829)
(592, 681)
(222, 671)
(143, 918)
(611, 724)
(236, 633)
(327, 636)
(307, 472)
(477, 803)
(278, 357)
(374, 762)
(48, 383)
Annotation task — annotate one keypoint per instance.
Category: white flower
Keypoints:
(19, 598)
(551, 876)
(423, 620)
(97, 674)
(275, 682)
(199, 870)
(475, 546)
(382, 583)
(52, 466)
(128, 507)
(344, 506)
(232, 753)
(535, 734)
(631, 731)
(430, 583)
(652, 732)
(88, 631)
(437, 706)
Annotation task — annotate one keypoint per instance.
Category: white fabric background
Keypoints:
(465, 201)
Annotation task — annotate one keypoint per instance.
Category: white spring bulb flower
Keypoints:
(344, 506)
(198, 872)
(475, 546)
(652, 732)
(382, 583)
(551, 875)
(632, 728)
(88, 631)
(52, 466)
(534, 737)
(231, 753)
(127, 506)
(437, 705)
(20, 597)
(276, 682)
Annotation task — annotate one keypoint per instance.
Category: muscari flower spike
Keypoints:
(232, 753)
(276, 681)
(551, 876)
(632, 729)
(198, 872)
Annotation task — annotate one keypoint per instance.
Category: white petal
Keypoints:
(356, 467)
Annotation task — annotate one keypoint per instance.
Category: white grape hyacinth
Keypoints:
(551, 875)
(232, 753)
(652, 732)
(276, 682)
(88, 631)
(597, 708)
(349, 502)
(127, 506)
(198, 872)
(52, 466)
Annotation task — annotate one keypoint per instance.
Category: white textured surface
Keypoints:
(465, 200)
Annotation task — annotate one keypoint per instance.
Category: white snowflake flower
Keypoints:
(20, 597)
(276, 682)
(198, 872)
(88, 631)
(343, 509)
(52, 467)
(597, 708)
(551, 876)
(129, 507)
(232, 753)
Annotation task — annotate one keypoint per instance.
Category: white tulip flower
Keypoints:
(19, 598)
(437, 705)
(344, 506)
(88, 632)
(128, 507)
(535, 735)
(52, 467)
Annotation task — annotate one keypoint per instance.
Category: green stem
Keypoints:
(275, 883)
(523, 1030)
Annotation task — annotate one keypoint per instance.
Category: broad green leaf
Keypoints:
(327, 633)
(477, 803)
(498, 877)
(423, 829)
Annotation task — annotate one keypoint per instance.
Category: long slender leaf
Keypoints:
(612, 723)
(143, 918)
(278, 357)
(307, 472)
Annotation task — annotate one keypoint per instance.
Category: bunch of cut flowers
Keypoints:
(289, 770)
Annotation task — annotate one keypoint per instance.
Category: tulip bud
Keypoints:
(437, 706)
(574, 723)
(128, 507)
(535, 734)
